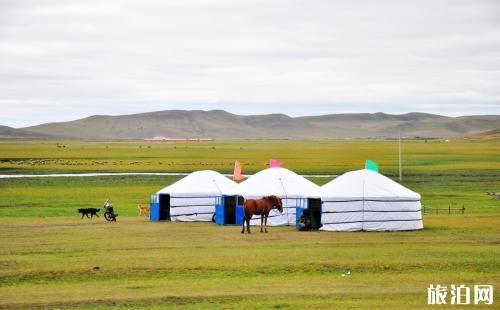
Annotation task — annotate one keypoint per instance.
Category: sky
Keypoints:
(62, 60)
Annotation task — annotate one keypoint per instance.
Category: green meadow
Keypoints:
(307, 157)
(50, 258)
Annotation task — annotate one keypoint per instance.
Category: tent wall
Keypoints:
(192, 208)
(393, 215)
(379, 215)
(342, 215)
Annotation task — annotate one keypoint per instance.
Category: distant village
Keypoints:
(163, 138)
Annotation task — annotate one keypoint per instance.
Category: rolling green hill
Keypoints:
(219, 124)
(487, 135)
(13, 133)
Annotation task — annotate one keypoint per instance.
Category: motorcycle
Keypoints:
(109, 214)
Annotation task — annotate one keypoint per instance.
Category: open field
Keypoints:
(307, 157)
(48, 254)
(50, 262)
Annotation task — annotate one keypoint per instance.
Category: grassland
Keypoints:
(313, 157)
(50, 263)
(48, 254)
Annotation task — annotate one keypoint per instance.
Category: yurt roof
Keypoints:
(276, 181)
(201, 182)
(364, 184)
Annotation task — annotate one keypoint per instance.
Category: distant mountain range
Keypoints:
(13, 133)
(487, 135)
(218, 124)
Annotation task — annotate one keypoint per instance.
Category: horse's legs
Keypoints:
(261, 222)
(248, 224)
(265, 223)
(244, 219)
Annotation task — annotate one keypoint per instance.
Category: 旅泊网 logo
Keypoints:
(459, 294)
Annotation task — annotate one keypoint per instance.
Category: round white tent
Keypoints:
(366, 200)
(282, 182)
(193, 198)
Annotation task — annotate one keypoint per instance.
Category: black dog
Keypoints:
(87, 211)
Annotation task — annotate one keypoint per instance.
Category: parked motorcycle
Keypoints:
(109, 213)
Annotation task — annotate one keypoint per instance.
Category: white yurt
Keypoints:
(193, 198)
(367, 200)
(281, 182)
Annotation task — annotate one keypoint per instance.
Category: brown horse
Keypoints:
(260, 207)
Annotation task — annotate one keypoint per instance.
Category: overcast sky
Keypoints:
(62, 60)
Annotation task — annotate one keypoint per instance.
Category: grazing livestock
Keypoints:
(260, 207)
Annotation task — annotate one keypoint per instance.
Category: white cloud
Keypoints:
(61, 60)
